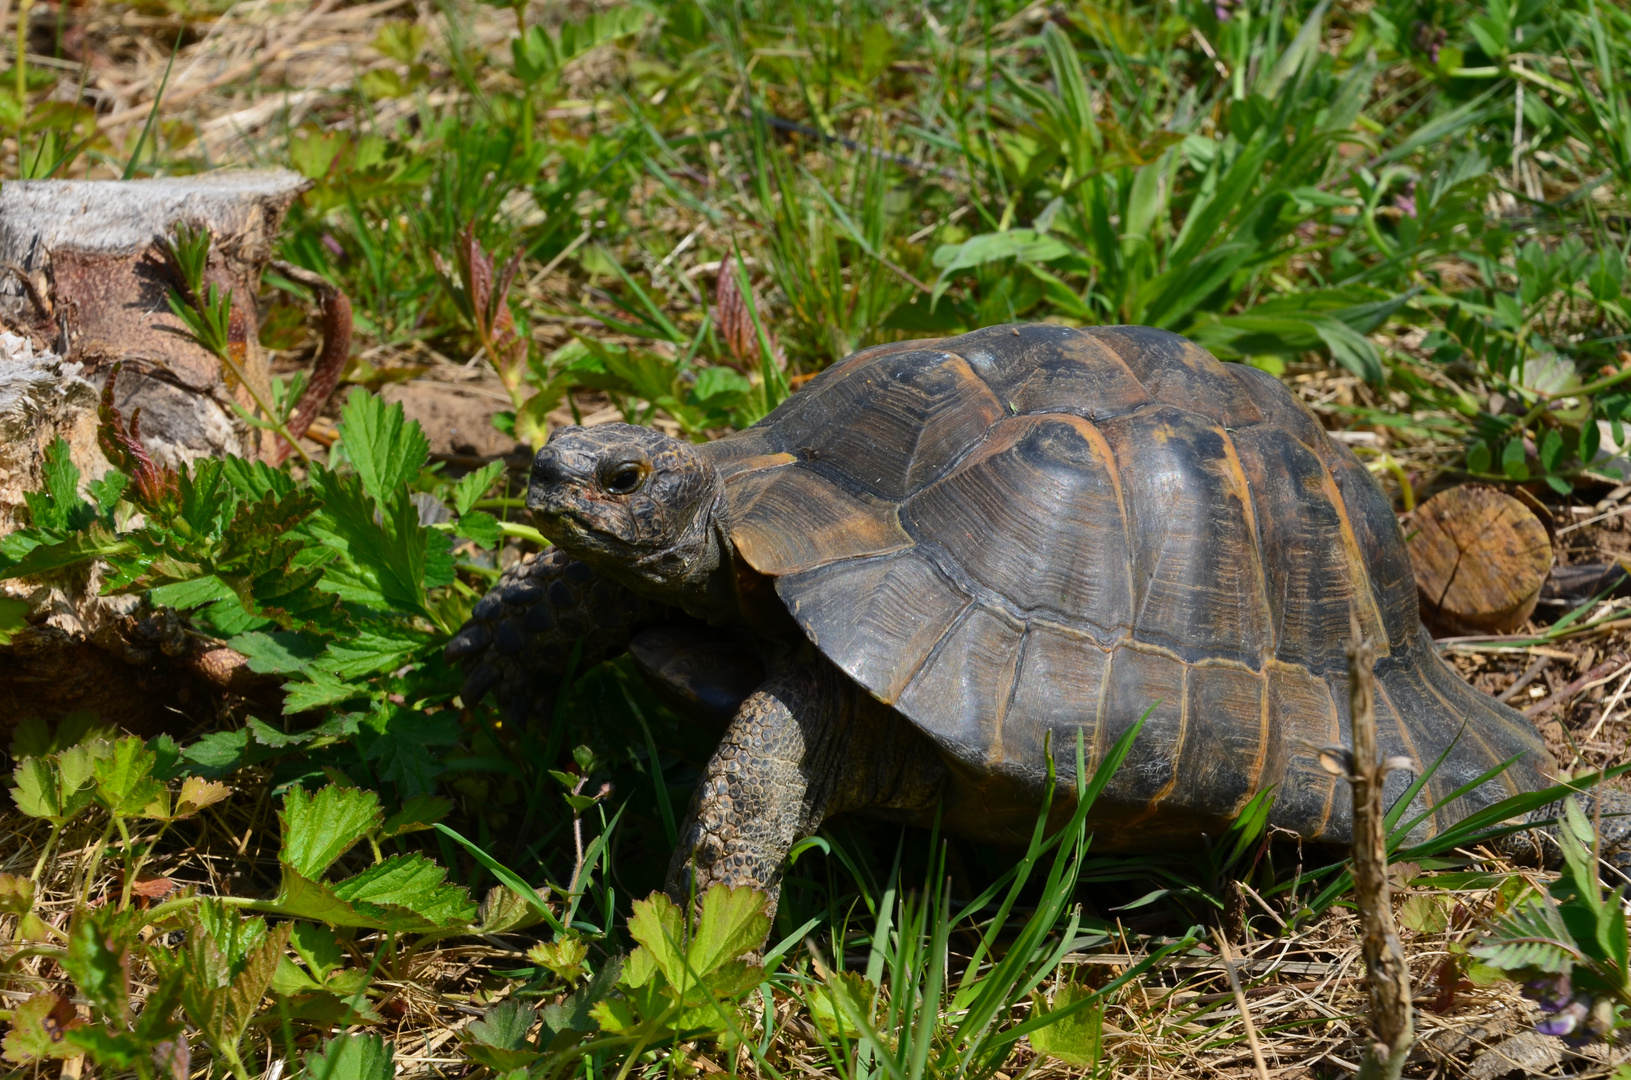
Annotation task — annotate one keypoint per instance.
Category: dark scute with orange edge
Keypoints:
(1030, 535)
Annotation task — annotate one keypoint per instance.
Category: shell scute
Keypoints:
(1052, 483)
(1197, 573)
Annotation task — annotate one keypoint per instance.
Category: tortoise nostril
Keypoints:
(548, 469)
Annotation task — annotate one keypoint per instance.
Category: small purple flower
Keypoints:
(333, 245)
(1406, 202)
(1567, 1019)
(1551, 993)
(1221, 9)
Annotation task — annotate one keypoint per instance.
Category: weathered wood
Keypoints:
(1480, 558)
(84, 282)
(85, 276)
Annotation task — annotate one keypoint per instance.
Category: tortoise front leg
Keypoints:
(521, 635)
(808, 744)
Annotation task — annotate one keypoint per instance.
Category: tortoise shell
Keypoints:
(1030, 532)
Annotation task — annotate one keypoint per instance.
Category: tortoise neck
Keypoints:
(697, 572)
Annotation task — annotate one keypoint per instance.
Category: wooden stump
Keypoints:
(1480, 558)
(84, 282)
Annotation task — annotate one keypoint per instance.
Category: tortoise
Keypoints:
(940, 558)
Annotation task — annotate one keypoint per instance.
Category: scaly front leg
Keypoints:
(521, 635)
(808, 744)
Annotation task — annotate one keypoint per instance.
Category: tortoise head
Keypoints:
(633, 503)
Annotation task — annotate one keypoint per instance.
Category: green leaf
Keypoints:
(1072, 1026)
(414, 883)
(379, 646)
(732, 923)
(386, 450)
(503, 1027)
(125, 784)
(318, 829)
(16, 894)
(59, 505)
(481, 527)
(417, 814)
(399, 738)
(1351, 349)
(318, 947)
(98, 959)
(37, 1027)
(352, 1057)
(13, 617)
(96, 542)
(472, 486)
(1022, 245)
(322, 689)
(388, 556)
(842, 1004)
(185, 595)
(658, 925)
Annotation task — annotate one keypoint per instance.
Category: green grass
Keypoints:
(1427, 199)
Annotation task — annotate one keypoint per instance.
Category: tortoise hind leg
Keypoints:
(806, 745)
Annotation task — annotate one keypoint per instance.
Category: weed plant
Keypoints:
(683, 210)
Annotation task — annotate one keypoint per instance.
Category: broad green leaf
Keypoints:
(197, 793)
(1022, 245)
(415, 884)
(277, 653)
(125, 784)
(386, 450)
(502, 1027)
(418, 813)
(96, 542)
(318, 947)
(318, 829)
(1073, 1037)
(98, 960)
(16, 894)
(59, 506)
(243, 997)
(842, 1004)
(658, 925)
(481, 527)
(352, 1057)
(321, 689)
(13, 617)
(37, 1027)
(185, 595)
(308, 899)
(732, 923)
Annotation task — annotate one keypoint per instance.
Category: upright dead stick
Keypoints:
(1393, 1032)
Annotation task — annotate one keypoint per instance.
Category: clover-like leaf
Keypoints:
(16, 894)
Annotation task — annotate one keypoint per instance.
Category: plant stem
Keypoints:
(1392, 1025)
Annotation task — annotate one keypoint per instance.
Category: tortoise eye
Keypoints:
(624, 479)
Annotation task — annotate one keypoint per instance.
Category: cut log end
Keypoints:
(1480, 558)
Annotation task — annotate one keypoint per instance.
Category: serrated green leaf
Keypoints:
(381, 646)
(318, 829)
(59, 506)
(841, 1004)
(98, 959)
(731, 924)
(414, 884)
(319, 690)
(198, 793)
(125, 784)
(481, 527)
(658, 925)
(16, 894)
(352, 1057)
(385, 560)
(96, 542)
(418, 813)
(186, 595)
(254, 978)
(472, 486)
(386, 450)
(318, 947)
(503, 1027)
(290, 978)
(38, 1026)
(308, 899)
(1073, 1037)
